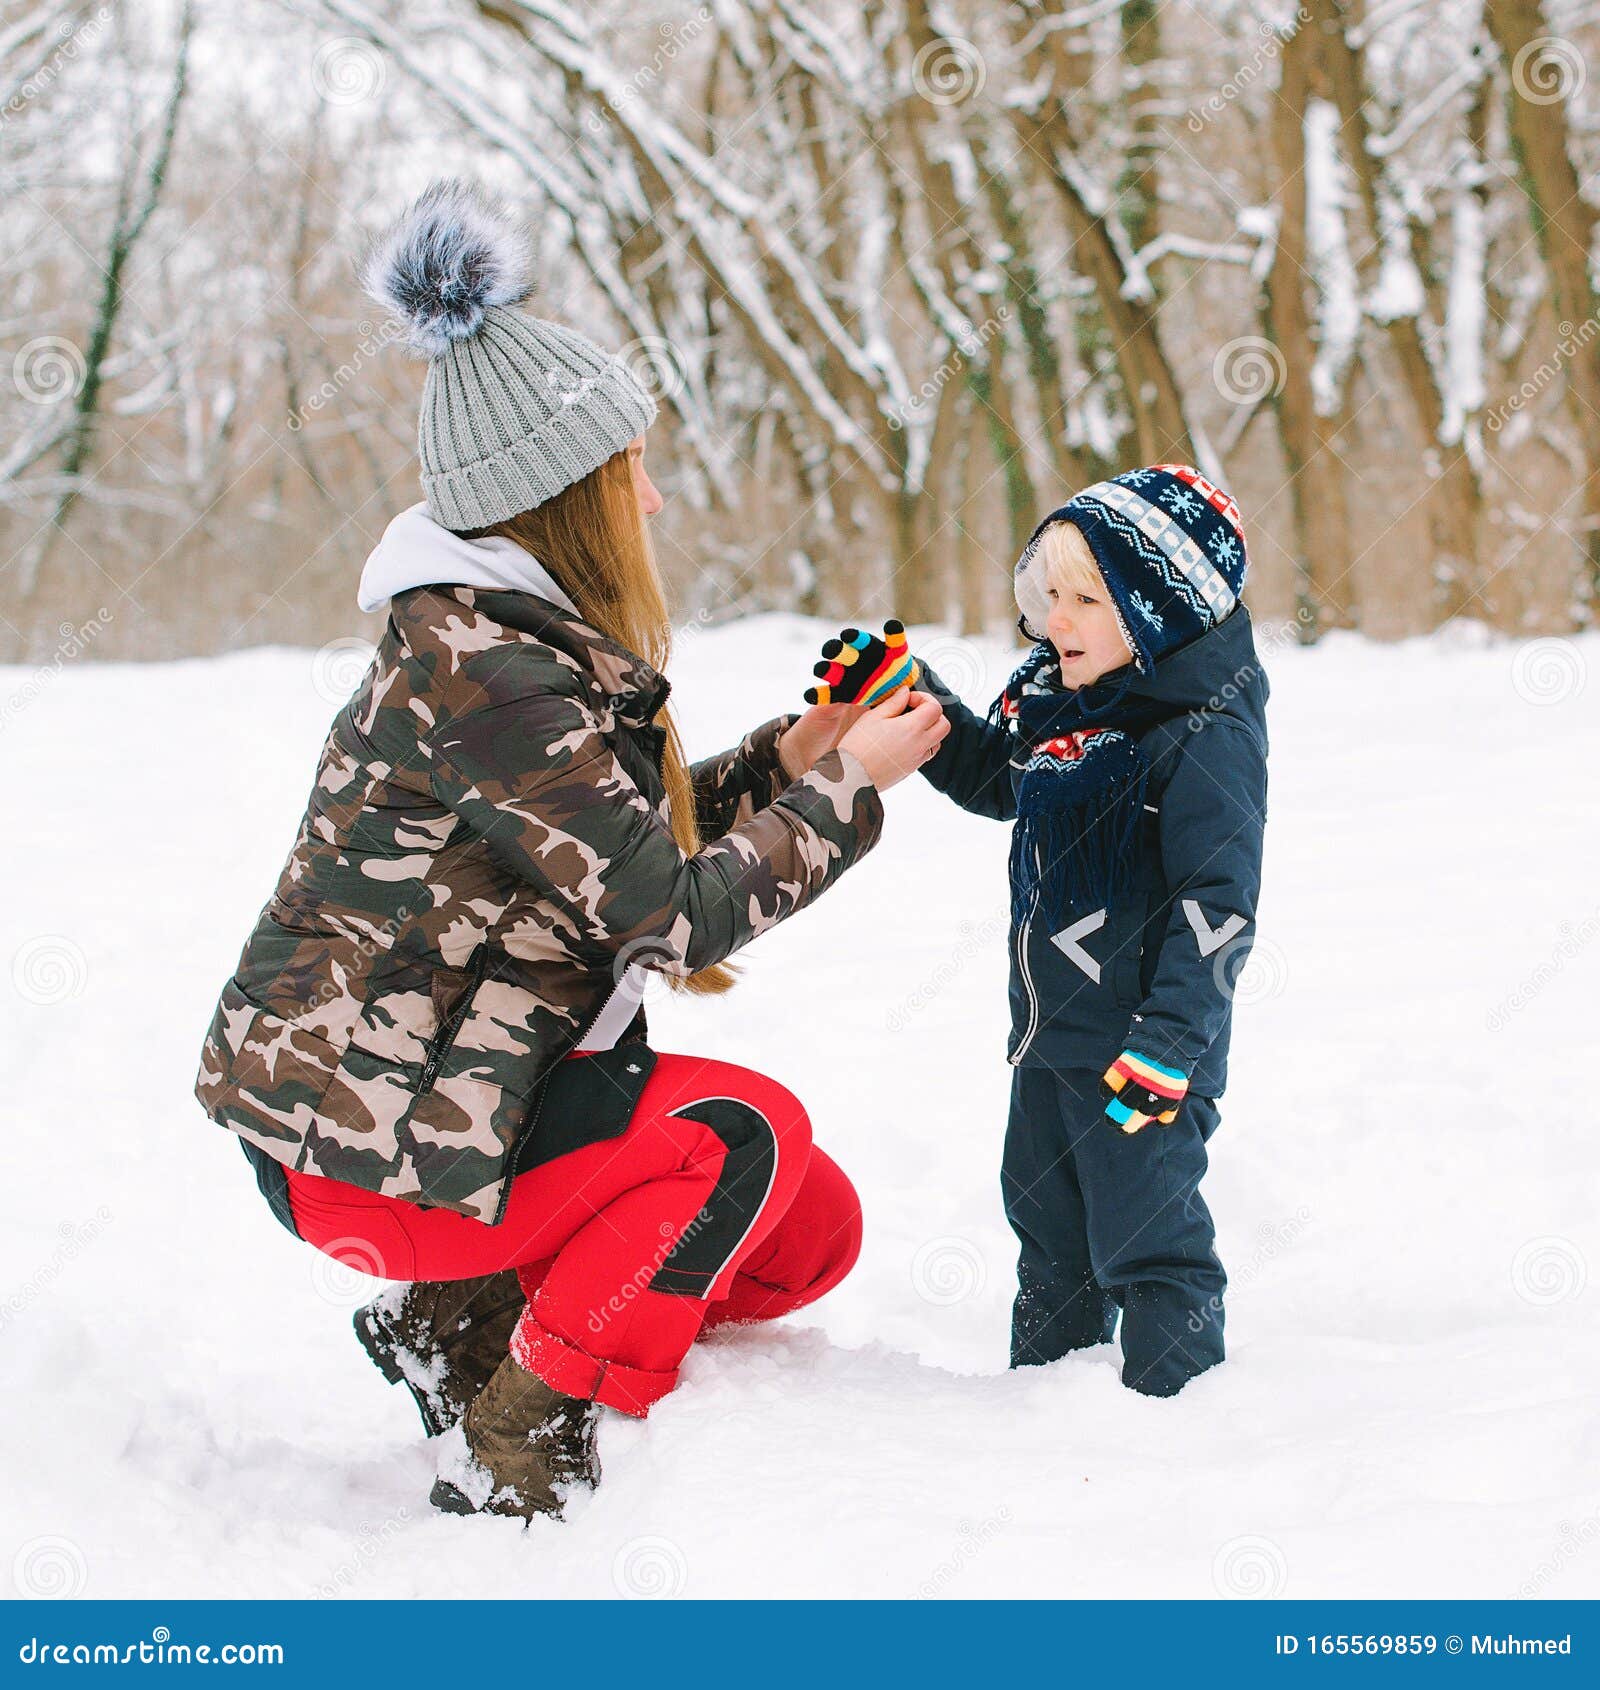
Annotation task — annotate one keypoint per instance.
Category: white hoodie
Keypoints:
(416, 551)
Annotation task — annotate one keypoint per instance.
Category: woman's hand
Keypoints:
(818, 731)
(895, 738)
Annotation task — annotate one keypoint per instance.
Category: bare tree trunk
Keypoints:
(1455, 499)
(1321, 526)
(287, 355)
(1100, 251)
(1138, 191)
(1024, 286)
(970, 558)
(929, 597)
(134, 210)
(1564, 224)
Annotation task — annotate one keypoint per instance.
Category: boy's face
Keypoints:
(1084, 630)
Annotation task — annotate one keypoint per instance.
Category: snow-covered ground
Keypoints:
(1407, 1185)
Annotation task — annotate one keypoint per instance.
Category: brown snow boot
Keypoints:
(526, 1443)
(441, 1339)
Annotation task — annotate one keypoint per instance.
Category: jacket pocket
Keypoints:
(396, 1042)
(451, 991)
(449, 987)
(360, 1136)
(478, 1087)
(1127, 961)
(396, 1021)
(1135, 957)
(457, 1139)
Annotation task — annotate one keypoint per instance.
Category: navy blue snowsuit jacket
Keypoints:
(1156, 970)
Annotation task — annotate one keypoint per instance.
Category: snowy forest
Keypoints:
(342, 892)
(902, 276)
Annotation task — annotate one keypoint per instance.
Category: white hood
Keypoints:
(416, 551)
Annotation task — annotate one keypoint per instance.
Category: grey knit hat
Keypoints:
(513, 408)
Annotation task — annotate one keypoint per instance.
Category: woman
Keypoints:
(433, 1046)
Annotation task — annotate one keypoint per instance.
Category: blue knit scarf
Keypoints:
(1080, 804)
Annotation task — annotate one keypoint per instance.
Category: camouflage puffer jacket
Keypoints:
(486, 848)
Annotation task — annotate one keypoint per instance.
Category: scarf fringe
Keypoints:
(1076, 849)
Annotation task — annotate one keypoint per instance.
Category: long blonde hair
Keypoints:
(592, 538)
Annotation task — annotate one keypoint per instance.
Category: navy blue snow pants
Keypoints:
(1109, 1220)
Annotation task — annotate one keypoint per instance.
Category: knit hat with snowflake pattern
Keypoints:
(1170, 546)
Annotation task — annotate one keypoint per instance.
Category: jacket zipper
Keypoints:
(1026, 975)
(524, 1132)
(446, 1036)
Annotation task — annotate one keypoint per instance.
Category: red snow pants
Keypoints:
(712, 1206)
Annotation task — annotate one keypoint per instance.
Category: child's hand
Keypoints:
(859, 668)
(1143, 1091)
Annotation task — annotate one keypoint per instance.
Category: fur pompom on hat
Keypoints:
(452, 255)
(514, 408)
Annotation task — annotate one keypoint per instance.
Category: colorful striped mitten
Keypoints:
(859, 668)
(1143, 1091)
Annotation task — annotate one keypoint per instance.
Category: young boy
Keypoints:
(1129, 748)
